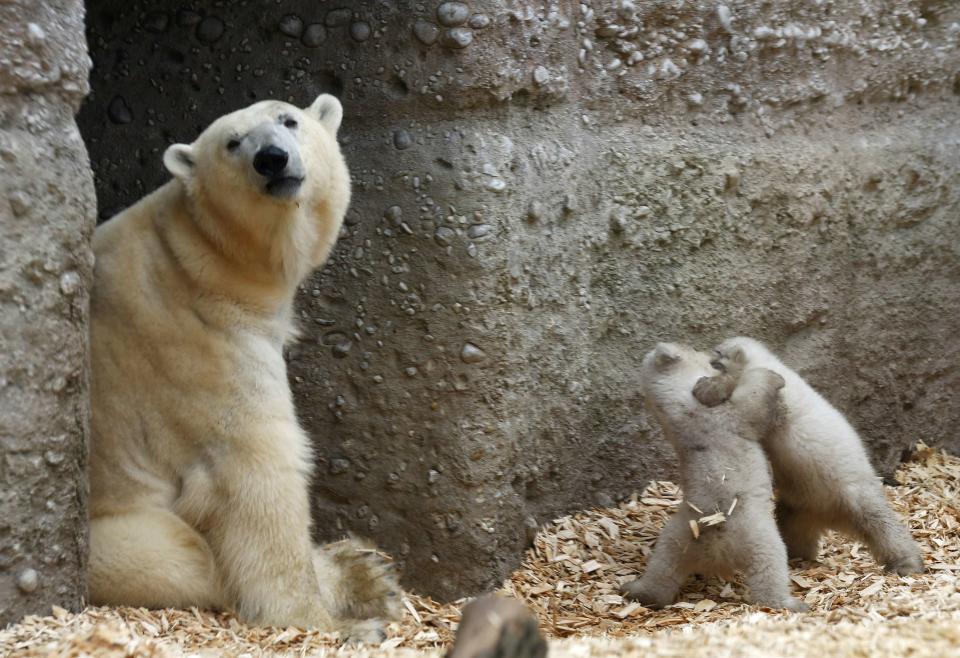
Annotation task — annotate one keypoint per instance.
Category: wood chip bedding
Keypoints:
(570, 578)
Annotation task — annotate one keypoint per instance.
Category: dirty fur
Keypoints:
(199, 468)
(823, 475)
(722, 469)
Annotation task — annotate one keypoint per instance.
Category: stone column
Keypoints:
(544, 189)
(47, 211)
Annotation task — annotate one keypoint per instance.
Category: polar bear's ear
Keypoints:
(737, 354)
(664, 355)
(178, 159)
(328, 111)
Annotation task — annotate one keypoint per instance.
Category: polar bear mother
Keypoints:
(198, 467)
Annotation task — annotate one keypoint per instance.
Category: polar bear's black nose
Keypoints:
(270, 161)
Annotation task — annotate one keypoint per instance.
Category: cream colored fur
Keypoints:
(199, 468)
(822, 473)
(722, 469)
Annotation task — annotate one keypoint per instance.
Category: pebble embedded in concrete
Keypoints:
(608, 31)
(668, 70)
(496, 185)
(472, 354)
(19, 202)
(394, 215)
(70, 283)
(35, 34)
(764, 33)
(210, 29)
(725, 17)
(53, 457)
(604, 499)
(444, 236)
(291, 25)
(478, 231)
(458, 37)
(479, 21)
(618, 220)
(314, 35)
(426, 32)
(535, 211)
(360, 31)
(452, 14)
(118, 111)
(402, 139)
(28, 580)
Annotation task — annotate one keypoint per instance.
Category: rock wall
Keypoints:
(542, 190)
(47, 212)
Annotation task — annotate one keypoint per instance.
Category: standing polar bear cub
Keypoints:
(823, 476)
(199, 468)
(724, 477)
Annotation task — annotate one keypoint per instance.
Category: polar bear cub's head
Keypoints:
(735, 354)
(266, 155)
(669, 373)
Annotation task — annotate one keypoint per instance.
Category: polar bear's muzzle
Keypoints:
(276, 160)
(273, 163)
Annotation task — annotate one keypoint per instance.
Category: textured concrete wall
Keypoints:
(47, 212)
(543, 189)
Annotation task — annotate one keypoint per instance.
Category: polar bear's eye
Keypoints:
(233, 144)
(290, 123)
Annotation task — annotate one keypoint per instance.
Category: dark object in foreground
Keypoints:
(494, 626)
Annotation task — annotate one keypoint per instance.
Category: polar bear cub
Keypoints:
(199, 469)
(822, 473)
(725, 523)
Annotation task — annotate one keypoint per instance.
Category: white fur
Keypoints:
(199, 469)
(821, 470)
(722, 467)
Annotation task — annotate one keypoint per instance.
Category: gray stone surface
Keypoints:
(543, 191)
(47, 212)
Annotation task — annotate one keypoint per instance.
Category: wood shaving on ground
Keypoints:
(571, 578)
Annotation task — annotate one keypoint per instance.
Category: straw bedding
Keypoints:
(570, 578)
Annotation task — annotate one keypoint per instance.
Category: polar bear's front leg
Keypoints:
(258, 525)
(260, 536)
(259, 530)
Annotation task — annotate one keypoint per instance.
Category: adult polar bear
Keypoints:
(198, 467)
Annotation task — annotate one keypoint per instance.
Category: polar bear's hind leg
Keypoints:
(151, 559)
